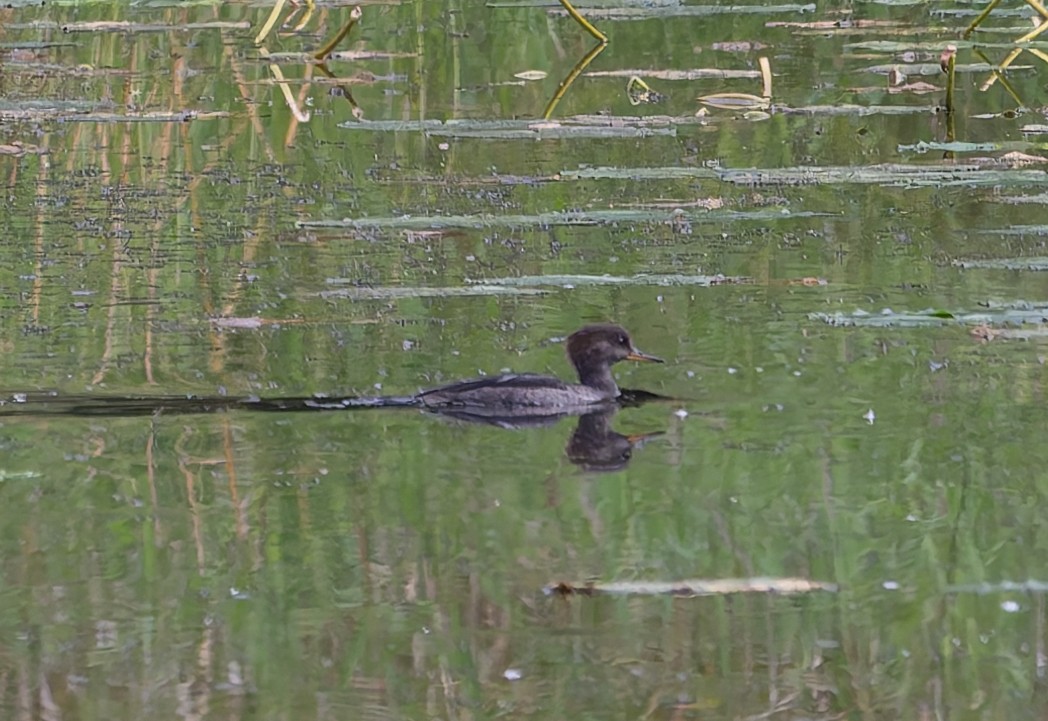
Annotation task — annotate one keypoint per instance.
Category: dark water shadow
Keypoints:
(593, 445)
(49, 403)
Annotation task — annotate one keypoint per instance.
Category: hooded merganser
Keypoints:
(592, 350)
(515, 400)
(509, 399)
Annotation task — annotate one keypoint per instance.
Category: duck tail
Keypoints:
(382, 402)
(328, 403)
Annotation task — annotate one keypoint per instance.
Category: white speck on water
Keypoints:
(732, 371)
(912, 518)
(796, 374)
(890, 585)
(1009, 606)
(691, 374)
(407, 344)
(377, 386)
(443, 146)
(680, 413)
(870, 416)
(759, 369)
(513, 674)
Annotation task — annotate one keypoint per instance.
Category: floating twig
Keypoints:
(575, 72)
(735, 101)
(948, 63)
(267, 27)
(638, 91)
(577, 17)
(765, 75)
(354, 16)
(693, 587)
(998, 75)
(980, 17)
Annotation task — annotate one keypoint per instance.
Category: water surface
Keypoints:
(175, 225)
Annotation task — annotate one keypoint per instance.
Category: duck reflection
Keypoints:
(594, 445)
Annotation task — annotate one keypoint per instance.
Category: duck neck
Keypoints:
(597, 376)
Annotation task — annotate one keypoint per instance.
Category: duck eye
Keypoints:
(622, 340)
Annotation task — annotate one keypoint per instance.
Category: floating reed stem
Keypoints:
(577, 17)
(354, 16)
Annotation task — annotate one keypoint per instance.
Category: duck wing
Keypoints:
(508, 389)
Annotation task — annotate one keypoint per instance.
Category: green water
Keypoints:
(173, 229)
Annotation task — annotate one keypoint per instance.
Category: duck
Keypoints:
(592, 350)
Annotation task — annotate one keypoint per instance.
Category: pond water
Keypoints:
(847, 284)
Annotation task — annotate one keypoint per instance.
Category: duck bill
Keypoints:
(636, 355)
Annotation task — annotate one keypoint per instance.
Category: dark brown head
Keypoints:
(600, 345)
